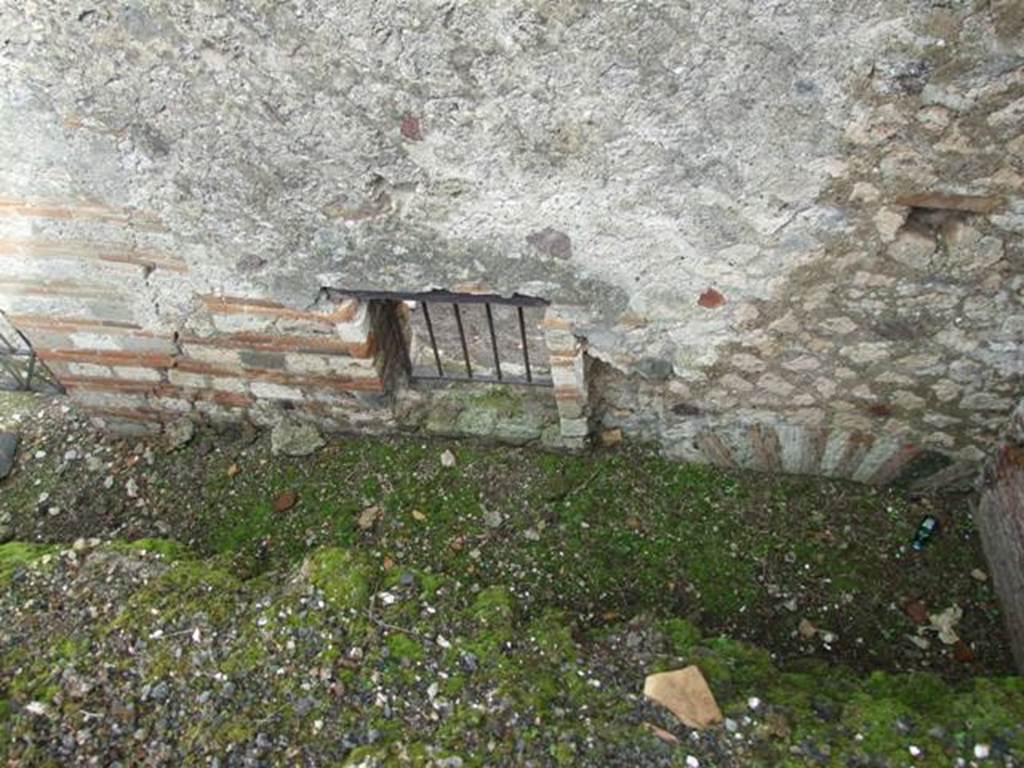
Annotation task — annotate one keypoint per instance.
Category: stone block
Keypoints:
(272, 391)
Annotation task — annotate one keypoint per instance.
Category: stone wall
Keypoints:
(780, 235)
(1000, 519)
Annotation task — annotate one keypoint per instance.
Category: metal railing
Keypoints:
(20, 368)
(455, 301)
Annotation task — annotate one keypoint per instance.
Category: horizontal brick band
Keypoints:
(280, 343)
(187, 365)
(105, 357)
(44, 322)
(130, 414)
(57, 288)
(78, 210)
(227, 305)
(89, 251)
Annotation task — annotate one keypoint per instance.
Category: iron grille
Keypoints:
(20, 368)
(435, 302)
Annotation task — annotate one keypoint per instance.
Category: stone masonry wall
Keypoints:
(783, 235)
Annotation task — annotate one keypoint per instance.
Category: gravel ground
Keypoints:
(372, 606)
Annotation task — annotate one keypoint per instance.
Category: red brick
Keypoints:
(280, 343)
(78, 210)
(130, 414)
(279, 377)
(102, 384)
(711, 299)
(43, 322)
(105, 357)
(89, 251)
(229, 305)
(57, 288)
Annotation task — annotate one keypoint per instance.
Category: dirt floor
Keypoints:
(630, 553)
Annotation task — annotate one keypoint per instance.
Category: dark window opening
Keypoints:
(469, 337)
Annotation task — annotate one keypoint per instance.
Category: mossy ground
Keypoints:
(604, 536)
(539, 571)
(613, 534)
(539, 688)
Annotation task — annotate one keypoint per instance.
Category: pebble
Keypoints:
(753, 702)
(981, 751)
(914, 751)
(692, 762)
(731, 725)
(979, 575)
(448, 459)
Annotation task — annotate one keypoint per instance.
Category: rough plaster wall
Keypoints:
(723, 185)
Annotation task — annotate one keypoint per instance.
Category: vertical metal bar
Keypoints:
(31, 369)
(433, 341)
(526, 352)
(462, 338)
(494, 340)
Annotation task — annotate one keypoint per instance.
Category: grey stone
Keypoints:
(179, 433)
(8, 449)
(295, 438)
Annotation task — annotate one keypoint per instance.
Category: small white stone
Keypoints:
(981, 751)
(753, 702)
(914, 751)
(35, 708)
(448, 459)
(692, 761)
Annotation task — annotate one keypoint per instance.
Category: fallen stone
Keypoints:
(8, 448)
(285, 501)
(916, 612)
(685, 693)
(493, 518)
(943, 624)
(979, 575)
(295, 438)
(920, 642)
(368, 517)
(179, 433)
(448, 459)
(806, 629)
(962, 652)
(611, 437)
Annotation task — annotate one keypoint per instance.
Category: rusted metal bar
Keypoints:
(526, 350)
(494, 341)
(440, 297)
(31, 370)
(433, 340)
(462, 338)
(510, 380)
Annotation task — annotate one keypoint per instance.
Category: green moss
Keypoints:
(681, 635)
(345, 577)
(186, 589)
(168, 549)
(16, 554)
(405, 648)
